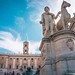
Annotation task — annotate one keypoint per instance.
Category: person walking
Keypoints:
(29, 71)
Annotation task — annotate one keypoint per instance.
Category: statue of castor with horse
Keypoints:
(65, 21)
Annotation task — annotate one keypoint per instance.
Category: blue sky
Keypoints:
(15, 15)
(19, 21)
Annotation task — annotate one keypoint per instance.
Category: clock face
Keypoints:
(70, 44)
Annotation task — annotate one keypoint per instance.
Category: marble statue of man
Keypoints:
(47, 20)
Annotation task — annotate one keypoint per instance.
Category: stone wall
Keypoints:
(58, 53)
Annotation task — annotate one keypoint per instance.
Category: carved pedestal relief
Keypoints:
(70, 44)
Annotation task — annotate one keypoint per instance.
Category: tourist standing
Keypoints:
(29, 71)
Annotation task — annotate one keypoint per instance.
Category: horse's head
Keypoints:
(65, 4)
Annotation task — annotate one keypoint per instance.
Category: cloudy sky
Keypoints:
(19, 21)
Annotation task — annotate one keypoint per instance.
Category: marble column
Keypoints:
(6, 62)
(14, 61)
(21, 62)
(35, 63)
(28, 62)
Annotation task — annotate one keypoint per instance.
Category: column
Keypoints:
(28, 62)
(35, 63)
(20, 61)
(6, 62)
(14, 61)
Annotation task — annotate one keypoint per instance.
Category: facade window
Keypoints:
(39, 66)
(17, 66)
(24, 67)
(2, 57)
(24, 58)
(25, 61)
(1, 65)
(31, 58)
(38, 58)
(10, 67)
(32, 66)
(17, 59)
(25, 45)
(10, 58)
(25, 51)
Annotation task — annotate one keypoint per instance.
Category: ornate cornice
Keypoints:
(61, 32)
(51, 37)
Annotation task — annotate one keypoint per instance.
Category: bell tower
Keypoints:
(25, 47)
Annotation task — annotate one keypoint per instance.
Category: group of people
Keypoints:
(10, 73)
(29, 71)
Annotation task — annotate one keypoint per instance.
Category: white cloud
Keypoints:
(35, 18)
(71, 9)
(33, 46)
(55, 6)
(20, 22)
(9, 42)
(39, 5)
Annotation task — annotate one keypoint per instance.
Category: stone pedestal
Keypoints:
(57, 53)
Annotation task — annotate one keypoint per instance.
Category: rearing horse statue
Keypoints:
(65, 16)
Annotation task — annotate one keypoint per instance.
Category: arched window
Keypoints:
(24, 58)
(17, 59)
(31, 58)
(24, 67)
(17, 66)
(1, 65)
(10, 66)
